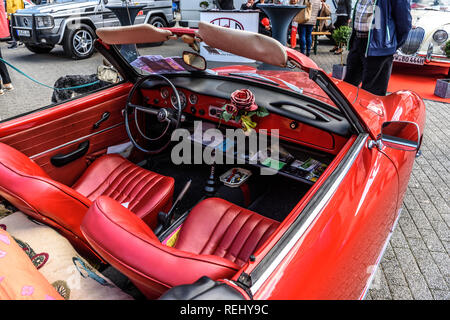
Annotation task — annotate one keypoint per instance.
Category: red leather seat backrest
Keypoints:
(26, 186)
(128, 244)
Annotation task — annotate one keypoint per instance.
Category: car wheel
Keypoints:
(39, 48)
(158, 22)
(79, 42)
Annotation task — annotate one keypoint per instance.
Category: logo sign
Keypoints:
(228, 23)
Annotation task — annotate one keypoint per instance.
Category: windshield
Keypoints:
(167, 59)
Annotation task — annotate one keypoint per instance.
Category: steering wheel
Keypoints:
(169, 116)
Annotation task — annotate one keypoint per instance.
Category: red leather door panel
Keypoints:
(60, 130)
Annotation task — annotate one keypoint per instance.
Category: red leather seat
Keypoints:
(26, 186)
(216, 240)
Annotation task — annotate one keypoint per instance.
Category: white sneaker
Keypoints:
(2, 92)
(8, 87)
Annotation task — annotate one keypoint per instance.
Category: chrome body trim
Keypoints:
(308, 215)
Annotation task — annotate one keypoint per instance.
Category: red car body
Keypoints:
(328, 247)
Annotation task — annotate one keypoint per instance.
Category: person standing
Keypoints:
(4, 28)
(4, 32)
(305, 29)
(11, 7)
(343, 17)
(380, 27)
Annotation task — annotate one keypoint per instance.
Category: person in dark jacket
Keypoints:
(380, 27)
(343, 17)
(225, 4)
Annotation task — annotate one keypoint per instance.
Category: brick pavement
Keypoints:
(416, 263)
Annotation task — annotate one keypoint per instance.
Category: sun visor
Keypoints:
(244, 43)
(142, 33)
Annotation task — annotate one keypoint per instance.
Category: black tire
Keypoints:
(39, 48)
(78, 42)
(157, 21)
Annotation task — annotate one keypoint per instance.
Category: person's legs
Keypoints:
(4, 74)
(355, 61)
(376, 75)
(302, 37)
(308, 36)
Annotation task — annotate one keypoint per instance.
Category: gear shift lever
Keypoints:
(164, 219)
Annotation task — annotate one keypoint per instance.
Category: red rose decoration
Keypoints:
(231, 109)
(244, 100)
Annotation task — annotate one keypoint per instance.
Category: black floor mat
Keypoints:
(282, 196)
(182, 174)
(278, 196)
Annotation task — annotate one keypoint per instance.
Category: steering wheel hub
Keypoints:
(163, 115)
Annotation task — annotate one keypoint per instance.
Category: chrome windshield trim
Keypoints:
(75, 141)
(306, 217)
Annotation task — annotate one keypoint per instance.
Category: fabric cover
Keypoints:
(72, 276)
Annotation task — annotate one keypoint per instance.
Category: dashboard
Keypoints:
(204, 99)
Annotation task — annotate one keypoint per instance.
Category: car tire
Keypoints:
(39, 48)
(79, 42)
(158, 22)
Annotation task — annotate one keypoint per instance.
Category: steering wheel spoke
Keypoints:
(149, 110)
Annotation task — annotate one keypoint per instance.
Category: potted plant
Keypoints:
(442, 88)
(341, 36)
(204, 5)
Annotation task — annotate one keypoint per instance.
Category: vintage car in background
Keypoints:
(429, 34)
(307, 216)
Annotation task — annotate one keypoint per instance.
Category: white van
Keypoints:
(190, 10)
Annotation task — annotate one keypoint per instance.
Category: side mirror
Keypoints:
(194, 60)
(105, 2)
(402, 135)
(107, 74)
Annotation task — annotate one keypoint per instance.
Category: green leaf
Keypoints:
(262, 112)
(226, 116)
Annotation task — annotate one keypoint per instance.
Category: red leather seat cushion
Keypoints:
(218, 227)
(143, 192)
(129, 245)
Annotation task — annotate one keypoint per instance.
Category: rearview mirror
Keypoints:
(107, 74)
(402, 135)
(194, 60)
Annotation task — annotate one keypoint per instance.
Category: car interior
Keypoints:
(100, 170)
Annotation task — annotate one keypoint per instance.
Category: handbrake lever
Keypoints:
(164, 219)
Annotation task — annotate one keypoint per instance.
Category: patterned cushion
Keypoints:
(19, 279)
(72, 276)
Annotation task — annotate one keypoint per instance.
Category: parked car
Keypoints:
(72, 23)
(306, 216)
(426, 40)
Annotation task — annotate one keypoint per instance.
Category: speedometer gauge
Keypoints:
(164, 93)
(193, 99)
(173, 99)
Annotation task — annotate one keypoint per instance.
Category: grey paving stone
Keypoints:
(432, 240)
(400, 292)
(440, 294)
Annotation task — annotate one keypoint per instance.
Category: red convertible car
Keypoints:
(194, 209)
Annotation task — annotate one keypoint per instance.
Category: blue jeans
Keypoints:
(305, 38)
